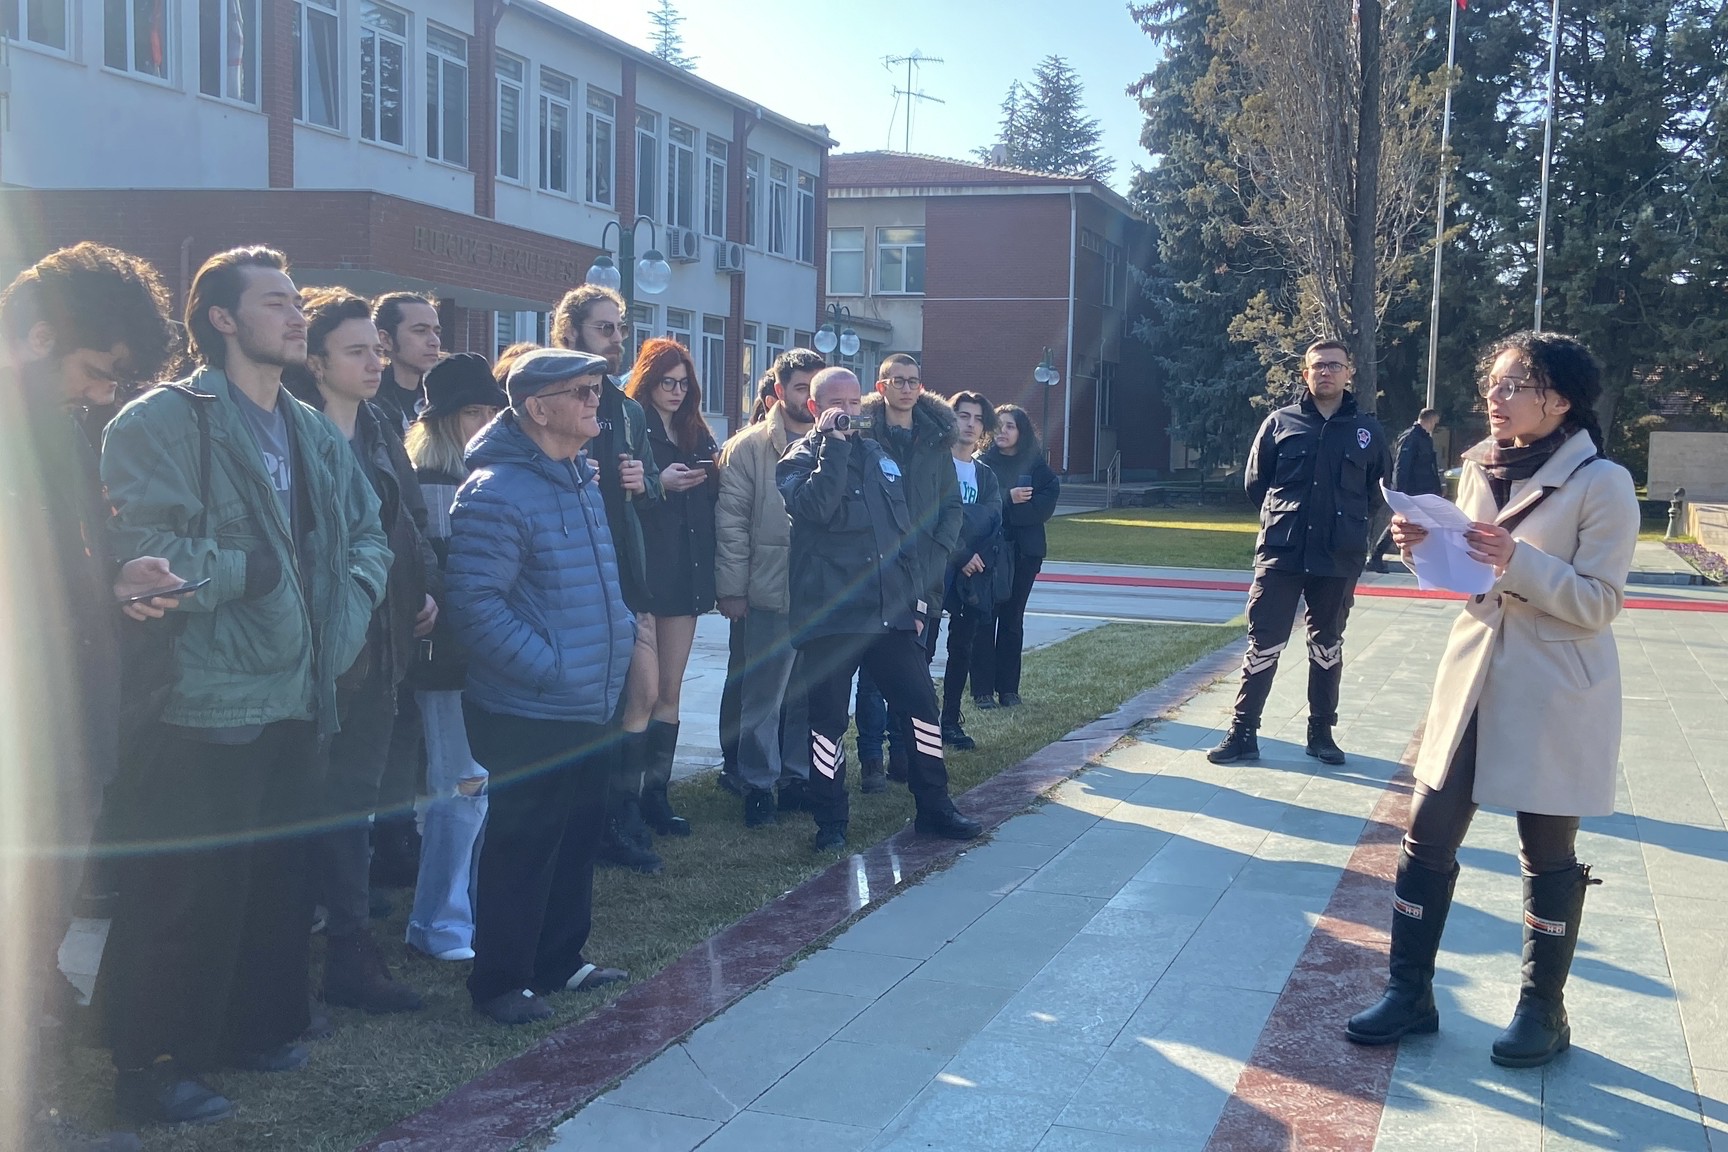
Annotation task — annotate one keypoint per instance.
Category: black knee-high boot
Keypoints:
(1553, 904)
(661, 743)
(1421, 899)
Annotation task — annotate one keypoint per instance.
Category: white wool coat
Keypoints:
(1535, 658)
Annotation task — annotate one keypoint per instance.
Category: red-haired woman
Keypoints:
(678, 534)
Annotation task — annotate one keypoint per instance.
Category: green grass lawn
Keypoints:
(377, 1070)
(1160, 537)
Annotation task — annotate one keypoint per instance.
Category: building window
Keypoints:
(678, 325)
(642, 325)
(1106, 395)
(135, 36)
(556, 93)
(647, 161)
(900, 261)
(806, 218)
(846, 261)
(716, 186)
(602, 116)
(317, 85)
(714, 366)
(516, 327)
(42, 22)
(748, 371)
(228, 49)
(680, 176)
(383, 74)
(805, 339)
(446, 96)
(779, 205)
(752, 199)
(512, 75)
(776, 344)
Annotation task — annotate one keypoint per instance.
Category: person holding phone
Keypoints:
(1029, 493)
(1526, 707)
(678, 538)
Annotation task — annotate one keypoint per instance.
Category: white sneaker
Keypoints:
(454, 954)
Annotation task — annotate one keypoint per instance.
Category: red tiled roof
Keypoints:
(901, 169)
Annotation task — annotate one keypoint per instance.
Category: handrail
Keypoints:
(1112, 480)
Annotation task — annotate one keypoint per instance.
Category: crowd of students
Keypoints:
(335, 607)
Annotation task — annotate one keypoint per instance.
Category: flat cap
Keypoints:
(538, 370)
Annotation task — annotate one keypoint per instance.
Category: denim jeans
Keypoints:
(443, 914)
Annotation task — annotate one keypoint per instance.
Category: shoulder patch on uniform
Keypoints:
(1364, 437)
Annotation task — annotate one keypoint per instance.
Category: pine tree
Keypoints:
(1010, 138)
(668, 37)
(1045, 127)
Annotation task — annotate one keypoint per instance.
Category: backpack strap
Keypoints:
(1511, 524)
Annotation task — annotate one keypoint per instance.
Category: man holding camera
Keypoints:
(858, 600)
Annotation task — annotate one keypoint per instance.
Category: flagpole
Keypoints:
(1547, 153)
(1440, 213)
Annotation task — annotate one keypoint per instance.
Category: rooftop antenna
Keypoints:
(912, 93)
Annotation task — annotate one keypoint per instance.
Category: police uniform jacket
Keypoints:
(854, 565)
(1317, 482)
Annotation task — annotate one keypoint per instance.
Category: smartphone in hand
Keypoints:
(172, 592)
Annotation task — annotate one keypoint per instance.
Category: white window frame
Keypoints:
(551, 102)
(885, 246)
(806, 200)
(446, 53)
(128, 13)
(680, 324)
(642, 320)
(753, 199)
(682, 186)
(248, 66)
(779, 205)
(834, 286)
(714, 182)
(1107, 373)
(776, 343)
(512, 73)
(1112, 271)
(371, 129)
(750, 337)
(714, 366)
(514, 327)
(16, 27)
(324, 12)
(803, 339)
(647, 162)
(602, 108)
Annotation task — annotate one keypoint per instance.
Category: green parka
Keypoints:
(276, 657)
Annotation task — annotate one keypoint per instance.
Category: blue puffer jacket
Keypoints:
(532, 583)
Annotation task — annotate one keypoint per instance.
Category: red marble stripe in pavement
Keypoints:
(1306, 1087)
(530, 1093)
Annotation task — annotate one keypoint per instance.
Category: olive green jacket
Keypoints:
(276, 656)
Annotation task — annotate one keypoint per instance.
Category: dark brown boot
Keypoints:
(356, 976)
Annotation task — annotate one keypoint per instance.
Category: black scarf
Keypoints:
(1506, 462)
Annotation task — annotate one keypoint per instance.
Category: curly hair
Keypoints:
(795, 360)
(1561, 364)
(572, 311)
(658, 356)
(93, 296)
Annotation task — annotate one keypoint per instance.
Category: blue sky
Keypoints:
(821, 61)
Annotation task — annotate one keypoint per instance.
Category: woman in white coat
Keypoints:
(1526, 706)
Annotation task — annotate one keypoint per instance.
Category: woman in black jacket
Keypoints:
(1029, 491)
(981, 570)
(678, 539)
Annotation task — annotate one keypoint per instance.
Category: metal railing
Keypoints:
(1112, 480)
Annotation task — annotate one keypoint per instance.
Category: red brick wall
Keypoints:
(277, 89)
(482, 117)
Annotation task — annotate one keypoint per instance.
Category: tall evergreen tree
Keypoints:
(1045, 127)
(668, 36)
(1011, 136)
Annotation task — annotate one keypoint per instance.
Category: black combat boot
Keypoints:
(1320, 744)
(1420, 900)
(660, 745)
(1539, 1031)
(1240, 743)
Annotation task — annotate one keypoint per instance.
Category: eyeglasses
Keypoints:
(1505, 387)
(584, 392)
(607, 328)
(1329, 366)
(904, 383)
(673, 383)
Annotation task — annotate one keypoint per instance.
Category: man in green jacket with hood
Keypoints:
(235, 482)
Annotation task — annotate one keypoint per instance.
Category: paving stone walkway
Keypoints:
(1113, 970)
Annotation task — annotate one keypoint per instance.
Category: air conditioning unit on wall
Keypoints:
(682, 245)
(729, 257)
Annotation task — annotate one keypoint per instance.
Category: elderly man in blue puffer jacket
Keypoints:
(534, 594)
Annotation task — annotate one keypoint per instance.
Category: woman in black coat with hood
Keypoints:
(1029, 492)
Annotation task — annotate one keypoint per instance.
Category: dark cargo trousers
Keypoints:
(1271, 614)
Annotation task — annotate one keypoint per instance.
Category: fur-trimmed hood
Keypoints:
(933, 422)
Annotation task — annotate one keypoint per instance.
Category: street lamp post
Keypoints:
(836, 333)
(651, 273)
(1047, 375)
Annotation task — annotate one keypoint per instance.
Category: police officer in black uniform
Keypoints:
(857, 600)
(1315, 470)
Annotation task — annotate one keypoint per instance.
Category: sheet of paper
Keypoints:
(1443, 558)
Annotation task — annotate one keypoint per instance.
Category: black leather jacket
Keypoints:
(1317, 482)
(854, 561)
(1417, 471)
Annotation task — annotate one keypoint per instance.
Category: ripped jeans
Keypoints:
(454, 822)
